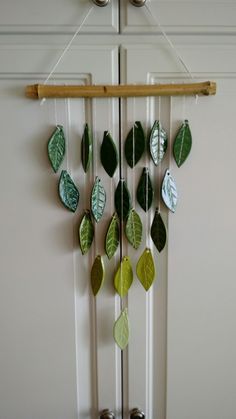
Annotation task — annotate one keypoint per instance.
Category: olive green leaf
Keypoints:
(123, 277)
(146, 269)
(122, 200)
(169, 191)
(112, 236)
(98, 200)
(134, 144)
(86, 232)
(145, 190)
(97, 274)
(121, 330)
(182, 144)
(133, 228)
(109, 155)
(68, 191)
(158, 231)
(86, 148)
(56, 147)
(157, 142)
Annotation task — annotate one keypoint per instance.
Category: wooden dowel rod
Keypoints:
(39, 91)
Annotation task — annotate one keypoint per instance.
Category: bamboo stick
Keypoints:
(39, 91)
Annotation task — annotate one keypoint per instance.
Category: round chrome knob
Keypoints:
(137, 414)
(107, 414)
(138, 3)
(101, 3)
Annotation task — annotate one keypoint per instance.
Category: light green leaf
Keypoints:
(68, 191)
(182, 144)
(56, 147)
(133, 228)
(123, 277)
(146, 269)
(86, 148)
(158, 231)
(97, 274)
(112, 236)
(98, 200)
(121, 330)
(86, 232)
(157, 142)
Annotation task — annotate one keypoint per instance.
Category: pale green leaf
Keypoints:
(68, 191)
(98, 200)
(133, 228)
(97, 274)
(157, 142)
(121, 330)
(112, 236)
(146, 269)
(123, 277)
(86, 232)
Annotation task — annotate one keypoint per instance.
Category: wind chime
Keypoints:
(125, 221)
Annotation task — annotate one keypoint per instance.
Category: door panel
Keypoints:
(56, 339)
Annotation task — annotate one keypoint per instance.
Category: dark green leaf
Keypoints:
(133, 229)
(146, 269)
(68, 191)
(98, 200)
(109, 156)
(158, 231)
(123, 277)
(122, 200)
(145, 190)
(169, 191)
(97, 274)
(112, 237)
(134, 144)
(86, 148)
(157, 142)
(121, 330)
(182, 144)
(86, 232)
(56, 147)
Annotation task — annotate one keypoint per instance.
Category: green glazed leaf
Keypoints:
(109, 155)
(146, 269)
(133, 228)
(86, 148)
(182, 144)
(134, 144)
(123, 277)
(121, 330)
(157, 142)
(145, 190)
(98, 200)
(158, 231)
(68, 191)
(112, 237)
(122, 200)
(56, 147)
(169, 191)
(97, 275)
(86, 232)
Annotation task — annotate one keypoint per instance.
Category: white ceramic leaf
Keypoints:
(169, 191)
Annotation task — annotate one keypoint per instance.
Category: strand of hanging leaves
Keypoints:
(134, 148)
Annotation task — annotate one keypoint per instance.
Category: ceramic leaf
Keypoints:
(68, 191)
(158, 231)
(133, 229)
(86, 148)
(86, 232)
(182, 144)
(56, 147)
(157, 142)
(97, 274)
(134, 144)
(146, 269)
(123, 277)
(122, 200)
(145, 190)
(109, 155)
(169, 191)
(112, 237)
(121, 330)
(98, 200)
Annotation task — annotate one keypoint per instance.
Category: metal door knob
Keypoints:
(107, 414)
(101, 3)
(138, 3)
(137, 414)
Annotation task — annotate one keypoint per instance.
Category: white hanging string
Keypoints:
(67, 47)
